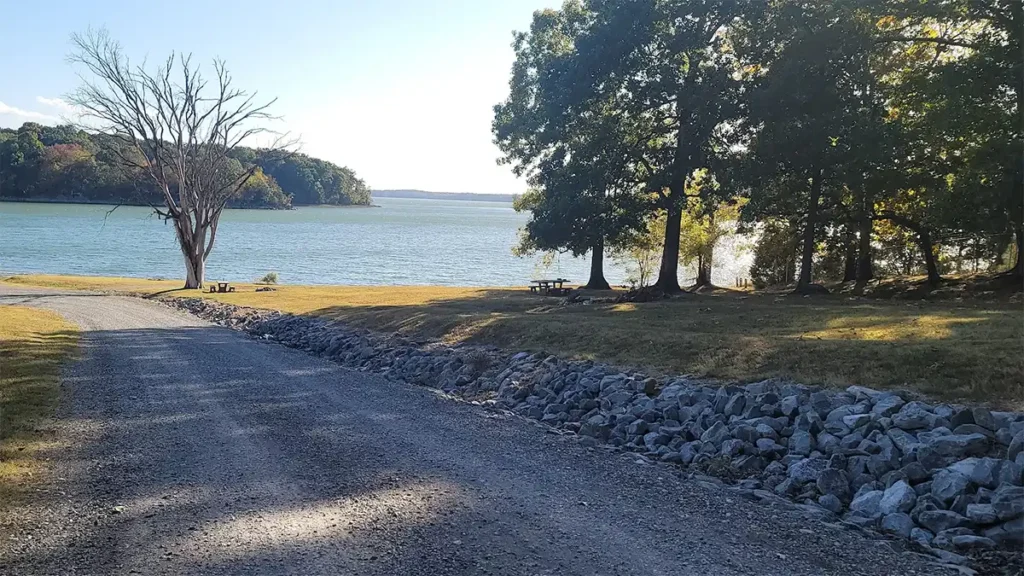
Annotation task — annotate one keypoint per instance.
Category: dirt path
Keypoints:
(191, 449)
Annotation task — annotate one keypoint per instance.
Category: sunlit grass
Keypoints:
(33, 346)
(882, 329)
(947, 350)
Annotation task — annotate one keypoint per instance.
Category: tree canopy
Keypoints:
(836, 129)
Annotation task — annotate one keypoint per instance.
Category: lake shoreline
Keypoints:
(94, 202)
(400, 242)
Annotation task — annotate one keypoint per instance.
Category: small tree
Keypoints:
(640, 253)
(176, 128)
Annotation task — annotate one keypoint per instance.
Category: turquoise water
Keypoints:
(403, 241)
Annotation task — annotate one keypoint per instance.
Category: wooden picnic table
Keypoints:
(550, 287)
(222, 287)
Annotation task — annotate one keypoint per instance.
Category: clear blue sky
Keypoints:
(399, 90)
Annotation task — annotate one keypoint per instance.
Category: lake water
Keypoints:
(403, 241)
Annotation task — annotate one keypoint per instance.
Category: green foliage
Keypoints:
(895, 119)
(308, 180)
(640, 254)
(580, 197)
(63, 162)
(775, 255)
(268, 278)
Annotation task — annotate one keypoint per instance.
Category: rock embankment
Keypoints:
(947, 477)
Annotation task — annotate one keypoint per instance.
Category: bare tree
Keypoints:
(175, 127)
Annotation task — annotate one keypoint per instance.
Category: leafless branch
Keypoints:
(178, 129)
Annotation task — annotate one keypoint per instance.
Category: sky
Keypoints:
(401, 91)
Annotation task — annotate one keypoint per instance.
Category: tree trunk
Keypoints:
(703, 270)
(807, 256)
(597, 281)
(668, 274)
(703, 273)
(850, 258)
(193, 250)
(864, 271)
(924, 239)
(195, 272)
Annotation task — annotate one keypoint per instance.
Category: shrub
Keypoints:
(268, 278)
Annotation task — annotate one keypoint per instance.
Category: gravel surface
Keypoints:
(186, 448)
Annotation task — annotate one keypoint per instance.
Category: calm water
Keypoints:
(404, 241)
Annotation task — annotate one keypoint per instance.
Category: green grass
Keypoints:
(946, 350)
(34, 344)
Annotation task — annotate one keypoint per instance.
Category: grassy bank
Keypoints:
(33, 346)
(947, 350)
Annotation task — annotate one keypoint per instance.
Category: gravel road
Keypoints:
(185, 448)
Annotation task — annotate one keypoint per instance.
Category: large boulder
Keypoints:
(913, 416)
(948, 484)
(984, 472)
(734, 407)
(898, 523)
(939, 520)
(867, 504)
(596, 426)
(790, 406)
(887, 405)
(985, 419)
(1007, 534)
(982, 514)
(834, 482)
(899, 497)
(972, 542)
(959, 445)
(716, 434)
(1016, 446)
(806, 470)
(1008, 502)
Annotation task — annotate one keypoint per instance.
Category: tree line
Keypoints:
(854, 138)
(64, 162)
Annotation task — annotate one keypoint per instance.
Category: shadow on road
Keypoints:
(197, 451)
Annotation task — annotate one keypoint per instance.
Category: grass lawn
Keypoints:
(947, 350)
(33, 346)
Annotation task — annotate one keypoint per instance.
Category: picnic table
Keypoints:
(550, 287)
(221, 287)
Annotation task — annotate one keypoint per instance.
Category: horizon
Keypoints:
(402, 94)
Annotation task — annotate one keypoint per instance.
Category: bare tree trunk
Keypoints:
(195, 272)
(193, 253)
(597, 280)
(807, 256)
(668, 274)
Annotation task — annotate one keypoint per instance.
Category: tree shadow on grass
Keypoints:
(29, 394)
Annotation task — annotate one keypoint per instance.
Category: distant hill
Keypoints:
(442, 195)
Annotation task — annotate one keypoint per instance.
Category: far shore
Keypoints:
(94, 202)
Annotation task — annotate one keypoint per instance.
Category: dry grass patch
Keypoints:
(34, 344)
(947, 350)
